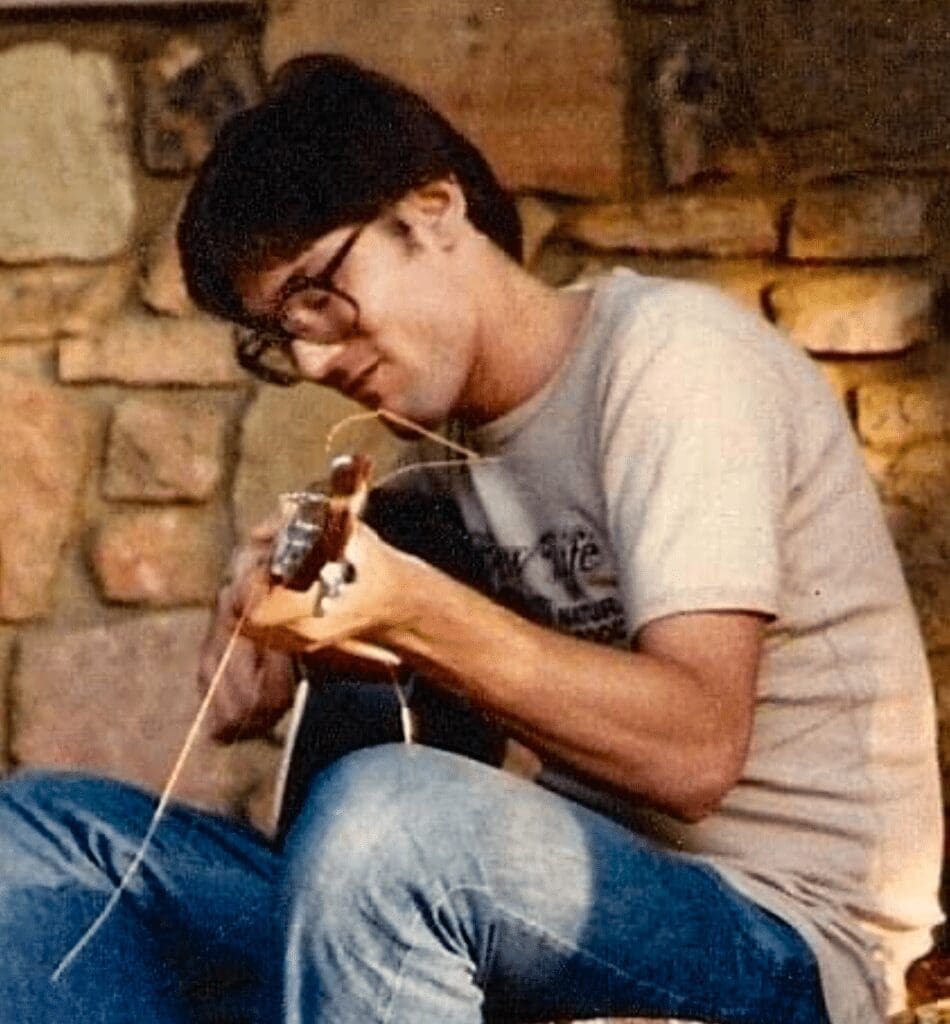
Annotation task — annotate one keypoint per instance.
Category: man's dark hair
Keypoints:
(332, 144)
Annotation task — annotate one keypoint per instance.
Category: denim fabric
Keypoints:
(195, 937)
(426, 887)
(416, 885)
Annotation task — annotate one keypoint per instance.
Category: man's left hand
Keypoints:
(371, 601)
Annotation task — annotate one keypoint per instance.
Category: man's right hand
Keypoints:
(258, 684)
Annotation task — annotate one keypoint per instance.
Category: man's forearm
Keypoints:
(644, 724)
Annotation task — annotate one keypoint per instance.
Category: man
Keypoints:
(719, 670)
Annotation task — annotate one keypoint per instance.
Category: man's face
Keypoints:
(374, 314)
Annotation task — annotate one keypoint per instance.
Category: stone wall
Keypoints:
(794, 154)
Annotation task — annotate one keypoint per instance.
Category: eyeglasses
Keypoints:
(329, 314)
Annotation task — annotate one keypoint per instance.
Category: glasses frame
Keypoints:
(252, 342)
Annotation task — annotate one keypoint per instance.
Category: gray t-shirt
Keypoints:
(687, 457)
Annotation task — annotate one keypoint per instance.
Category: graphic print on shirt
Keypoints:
(562, 581)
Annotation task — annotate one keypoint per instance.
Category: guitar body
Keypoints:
(346, 711)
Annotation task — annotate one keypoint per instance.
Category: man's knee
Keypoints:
(413, 817)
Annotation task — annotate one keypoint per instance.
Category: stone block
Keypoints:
(920, 476)
(44, 440)
(65, 172)
(901, 413)
(35, 361)
(689, 106)
(884, 220)
(158, 558)
(940, 671)
(930, 590)
(119, 700)
(922, 535)
(149, 350)
(187, 95)
(696, 225)
(286, 444)
(162, 283)
(861, 314)
(164, 448)
(543, 94)
(876, 71)
(60, 300)
(745, 283)
(877, 463)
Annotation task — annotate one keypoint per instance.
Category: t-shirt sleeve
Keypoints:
(694, 451)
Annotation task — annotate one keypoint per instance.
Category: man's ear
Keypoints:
(433, 214)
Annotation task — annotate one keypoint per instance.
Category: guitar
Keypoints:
(346, 711)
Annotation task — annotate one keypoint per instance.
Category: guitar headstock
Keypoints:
(319, 523)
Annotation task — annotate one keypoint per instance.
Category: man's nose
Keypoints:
(316, 362)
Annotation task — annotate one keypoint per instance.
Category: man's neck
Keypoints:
(527, 330)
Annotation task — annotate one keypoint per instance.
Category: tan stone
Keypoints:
(159, 558)
(880, 221)
(543, 96)
(922, 535)
(876, 71)
(920, 476)
(877, 463)
(940, 671)
(930, 590)
(34, 361)
(747, 284)
(856, 314)
(53, 301)
(688, 98)
(704, 225)
(538, 220)
(165, 448)
(65, 172)
(162, 285)
(187, 96)
(893, 415)
(148, 350)
(119, 700)
(43, 438)
(284, 446)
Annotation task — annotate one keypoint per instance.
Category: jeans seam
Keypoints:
(435, 907)
(524, 922)
(647, 986)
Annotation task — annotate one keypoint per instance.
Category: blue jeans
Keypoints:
(415, 886)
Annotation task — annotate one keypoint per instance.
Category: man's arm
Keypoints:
(668, 723)
(258, 683)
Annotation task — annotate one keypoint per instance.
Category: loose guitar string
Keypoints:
(405, 713)
(470, 454)
(400, 421)
(162, 804)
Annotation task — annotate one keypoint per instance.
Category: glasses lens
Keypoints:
(266, 355)
(319, 315)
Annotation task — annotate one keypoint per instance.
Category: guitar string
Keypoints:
(406, 719)
(400, 421)
(405, 712)
(160, 807)
(470, 454)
